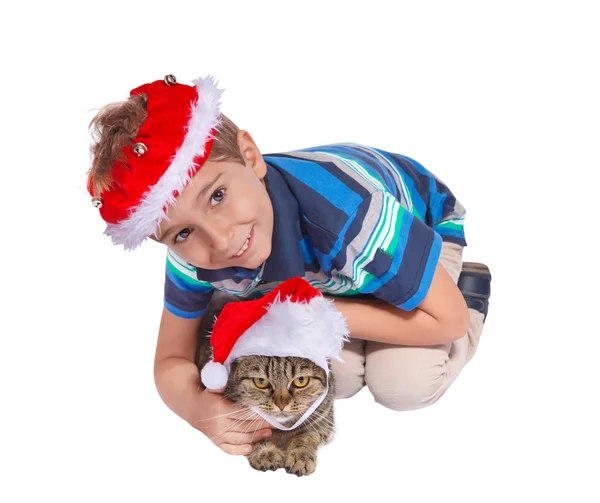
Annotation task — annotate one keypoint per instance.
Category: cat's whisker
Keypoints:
(222, 415)
(252, 423)
(250, 426)
(244, 420)
(317, 428)
(219, 434)
(228, 427)
(319, 418)
(322, 418)
(326, 422)
(310, 423)
(225, 430)
(248, 414)
(252, 416)
(279, 372)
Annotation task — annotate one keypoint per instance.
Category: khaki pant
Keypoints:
(408, 377)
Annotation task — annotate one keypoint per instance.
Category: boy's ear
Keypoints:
(250, 153)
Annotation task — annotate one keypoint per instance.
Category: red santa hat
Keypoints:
(292, 320)
(170, 147)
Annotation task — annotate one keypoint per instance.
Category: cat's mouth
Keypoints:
(285, 419)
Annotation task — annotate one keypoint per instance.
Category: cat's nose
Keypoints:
(281, 399)
(281, 403)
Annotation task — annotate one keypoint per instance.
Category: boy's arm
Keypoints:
(440, 318)
(393, 255)
(176, 375)
(177, 380)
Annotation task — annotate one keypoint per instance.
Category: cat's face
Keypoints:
(282, 387)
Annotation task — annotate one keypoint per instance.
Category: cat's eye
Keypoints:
(261, 383)
(301, 382)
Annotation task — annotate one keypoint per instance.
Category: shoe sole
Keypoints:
(476, 268)
(474, 283)
(475, 280)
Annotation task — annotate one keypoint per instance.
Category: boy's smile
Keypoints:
(223, 217)
(245, 246)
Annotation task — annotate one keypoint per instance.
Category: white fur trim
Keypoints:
(214, 375)
(148, 215)
(314, 330)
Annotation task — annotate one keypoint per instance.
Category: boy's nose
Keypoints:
(220, 238)
(220, 242)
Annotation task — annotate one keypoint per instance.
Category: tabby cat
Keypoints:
(284, 388)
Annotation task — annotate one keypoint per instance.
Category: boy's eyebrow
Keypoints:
(200, 195)
(207, 187)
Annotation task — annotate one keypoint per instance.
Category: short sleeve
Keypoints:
(393, 254)
(185, 295)
(447, 214)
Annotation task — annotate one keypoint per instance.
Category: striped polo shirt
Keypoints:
(350, 219)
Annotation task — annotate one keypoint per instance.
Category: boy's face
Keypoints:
(223, 217)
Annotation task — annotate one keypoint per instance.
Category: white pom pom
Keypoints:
(214, 375)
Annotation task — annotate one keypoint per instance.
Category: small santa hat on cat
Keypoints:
(292, 320)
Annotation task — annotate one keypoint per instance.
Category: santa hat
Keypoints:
(292, 320)
(172, 144)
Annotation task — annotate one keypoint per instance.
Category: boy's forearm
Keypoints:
(375, 320)
(178, 384)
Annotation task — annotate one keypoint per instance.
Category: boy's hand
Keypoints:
(230, 427)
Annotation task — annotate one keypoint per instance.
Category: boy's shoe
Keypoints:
(474, 283)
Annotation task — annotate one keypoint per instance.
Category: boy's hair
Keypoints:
(117, 124)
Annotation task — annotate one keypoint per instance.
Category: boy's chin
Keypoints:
(252, 264)
(255, 261)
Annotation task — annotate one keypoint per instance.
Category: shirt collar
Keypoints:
(286, 259)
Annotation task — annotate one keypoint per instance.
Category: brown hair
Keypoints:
(115, 125)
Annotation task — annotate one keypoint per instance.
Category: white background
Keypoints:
(499, 99)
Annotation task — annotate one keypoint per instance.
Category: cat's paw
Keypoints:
(301, 462)
(266, 458)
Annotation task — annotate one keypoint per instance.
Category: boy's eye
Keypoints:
(182, 235)
(217, 197)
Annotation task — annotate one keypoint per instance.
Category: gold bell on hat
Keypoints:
(139, 149)
(170, 80)
(98, 202)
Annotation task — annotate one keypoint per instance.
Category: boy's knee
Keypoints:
(348, 379)
(349, 376)
(409, 398)
(406, 387)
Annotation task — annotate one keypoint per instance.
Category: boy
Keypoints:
(375, 230)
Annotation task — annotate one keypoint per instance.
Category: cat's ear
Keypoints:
(219, 301)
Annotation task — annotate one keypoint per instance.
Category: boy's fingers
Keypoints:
(236, 450)
(243, 438)
(250, 425)
(242, 414)
(247, 418)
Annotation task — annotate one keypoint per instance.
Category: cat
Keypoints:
(284, 388)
